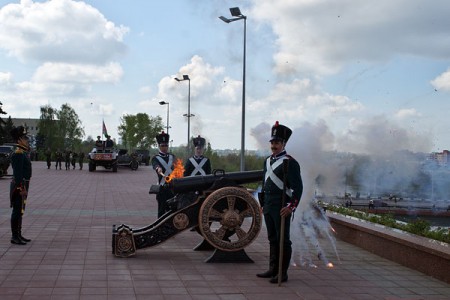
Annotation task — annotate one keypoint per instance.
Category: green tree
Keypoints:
(59, 129)
(48, 129)
(70, 126)
(139, 131)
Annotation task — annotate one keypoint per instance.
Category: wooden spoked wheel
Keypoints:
(230, 218)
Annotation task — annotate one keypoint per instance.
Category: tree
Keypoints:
(59, 129)
(139, 131)
(70, 127)
(48, 129)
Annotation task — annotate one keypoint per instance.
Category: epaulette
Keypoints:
(288, 156)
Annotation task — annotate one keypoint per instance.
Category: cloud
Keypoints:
(59, 31)
(319, 37)
(442, 82)
(407, 113)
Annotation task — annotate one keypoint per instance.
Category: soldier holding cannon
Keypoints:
(163, 164)
(282, 181)
(198, 164)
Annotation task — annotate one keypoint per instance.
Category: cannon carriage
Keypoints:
(223, 211)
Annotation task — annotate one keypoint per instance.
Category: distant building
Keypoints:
(441, 158)
(30, 124)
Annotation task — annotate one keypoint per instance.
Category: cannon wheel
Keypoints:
(230, 218)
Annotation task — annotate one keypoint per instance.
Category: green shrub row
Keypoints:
(419, 227)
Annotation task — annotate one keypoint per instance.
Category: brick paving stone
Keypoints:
(70, 215)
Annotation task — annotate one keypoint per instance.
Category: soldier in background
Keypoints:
(80, 159)
(48, 157)
(109, 143)
(67, 156)
(163, 164)
(197, 164)
(59, 157)
(73, 159)
(98, 143)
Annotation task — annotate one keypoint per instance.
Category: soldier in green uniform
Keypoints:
(163, 164)
(48, 157)
(80, 159)
(59, 157)
(272, 195)
(21, 165)
(197, 164)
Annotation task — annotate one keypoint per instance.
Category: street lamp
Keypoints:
(166, 103)
(188, 115)
(236, 12)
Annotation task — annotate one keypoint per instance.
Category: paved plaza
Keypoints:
(69, 217)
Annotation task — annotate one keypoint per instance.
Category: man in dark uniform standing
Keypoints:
(59, 157)
(80, 159)
(21, 165)
(67, 157)
(275, 175)
(48, 157)
(198, 164)
(163, 164)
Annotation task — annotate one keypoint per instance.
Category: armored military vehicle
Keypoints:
(104, 157)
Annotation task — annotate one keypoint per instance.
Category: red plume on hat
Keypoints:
(280, 132)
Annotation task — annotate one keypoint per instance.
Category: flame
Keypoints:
(330, 265)
(177, 171)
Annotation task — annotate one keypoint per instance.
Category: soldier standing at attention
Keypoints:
(272, 195)
(198, 164)
(80, 159)
(59, 157)
(67, 158)
(21, 165)
(48, 157)
(162, 163)
(73, 159)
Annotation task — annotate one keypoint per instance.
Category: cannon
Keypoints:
(223, 211)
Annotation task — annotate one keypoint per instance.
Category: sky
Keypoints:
(371, 76)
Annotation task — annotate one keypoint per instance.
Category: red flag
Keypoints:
(104, 131)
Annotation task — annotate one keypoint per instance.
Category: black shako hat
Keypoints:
(162, 138)
(18, 132)
(199, 141)
(280, 132)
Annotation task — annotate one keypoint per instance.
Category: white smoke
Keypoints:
(385, 162)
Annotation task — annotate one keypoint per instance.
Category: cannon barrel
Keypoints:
(201, 183)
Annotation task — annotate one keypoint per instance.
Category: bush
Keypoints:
(419, 227)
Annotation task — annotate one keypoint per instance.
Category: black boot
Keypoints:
(15, 239)
(287, 253)
(273, 263)
(20, 233)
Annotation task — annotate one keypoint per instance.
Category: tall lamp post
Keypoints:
(188, 115)
(166, 103)
(236, 12)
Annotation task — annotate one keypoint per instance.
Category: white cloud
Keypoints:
(442, 82)
(59, 31)
(77, 73)
(320, 36)
(407, 113)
